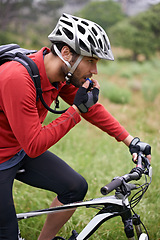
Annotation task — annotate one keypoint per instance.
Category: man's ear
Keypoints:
(66, 53)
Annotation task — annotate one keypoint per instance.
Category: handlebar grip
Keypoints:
(111, 186)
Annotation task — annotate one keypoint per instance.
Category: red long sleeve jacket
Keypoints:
(21, 116)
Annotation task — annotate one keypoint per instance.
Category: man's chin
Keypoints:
(77, 85)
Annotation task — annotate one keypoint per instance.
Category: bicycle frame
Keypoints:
(112, 207)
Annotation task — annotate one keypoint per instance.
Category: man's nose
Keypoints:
(94, 69)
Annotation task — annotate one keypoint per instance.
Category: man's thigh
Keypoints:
(49, 172)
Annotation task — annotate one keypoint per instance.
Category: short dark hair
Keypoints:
(60, 45)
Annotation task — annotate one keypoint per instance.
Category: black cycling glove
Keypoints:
(137, 146)
(84, 100)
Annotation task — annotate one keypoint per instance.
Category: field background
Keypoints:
(131, 92)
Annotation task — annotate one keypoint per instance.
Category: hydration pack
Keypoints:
(13, 52)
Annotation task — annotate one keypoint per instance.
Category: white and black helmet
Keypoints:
(85, 37)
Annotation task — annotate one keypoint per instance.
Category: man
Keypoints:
(77, 46)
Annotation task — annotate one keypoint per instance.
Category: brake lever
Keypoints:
(146, 161)
(147, 165)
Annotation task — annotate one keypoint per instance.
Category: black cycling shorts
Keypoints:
(46, 172)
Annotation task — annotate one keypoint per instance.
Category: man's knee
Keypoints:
(76, 192)
(80, 190)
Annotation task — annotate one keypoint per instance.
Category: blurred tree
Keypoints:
(12, 10)
(105, 13)
(27, 21)
(49, 6)
(149, 22)
(141, 33)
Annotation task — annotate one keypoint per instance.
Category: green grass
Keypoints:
(99, 158)
(114, 93)
(143, 77)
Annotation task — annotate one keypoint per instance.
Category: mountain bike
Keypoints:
(111, 206)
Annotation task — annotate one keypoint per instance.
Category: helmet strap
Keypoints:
(71, 69)
(60, 56)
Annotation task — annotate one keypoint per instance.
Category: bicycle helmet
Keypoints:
(85, 37)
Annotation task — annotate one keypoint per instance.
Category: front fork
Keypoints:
(129, 221)
(137, 224)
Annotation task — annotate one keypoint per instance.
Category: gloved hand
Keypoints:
(137, 146)
(84, 100)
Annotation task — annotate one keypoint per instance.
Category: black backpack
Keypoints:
(13, 52)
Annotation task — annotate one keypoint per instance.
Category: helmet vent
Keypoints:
(81, 29)
(97, 50)
(75, 19)
(64, 15)
(90, 39)
(85, 23)
(94, 30)
(58, 32)
(67, 23)
(98, 27)
(83, 45)
(100, 43)
(106, 42)
(68, 33)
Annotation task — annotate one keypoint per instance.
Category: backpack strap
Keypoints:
(13, 52)
(33, 71)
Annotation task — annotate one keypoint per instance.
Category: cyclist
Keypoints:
(77, 46)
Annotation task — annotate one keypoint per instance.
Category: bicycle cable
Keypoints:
(136, 199)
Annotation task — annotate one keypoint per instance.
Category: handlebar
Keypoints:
(112, 185)
(135, 174)
(117, 182)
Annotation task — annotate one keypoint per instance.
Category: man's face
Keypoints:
(86, 68)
